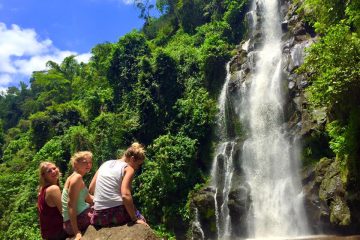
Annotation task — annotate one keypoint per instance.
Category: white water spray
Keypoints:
(269, 160)
(222, 169)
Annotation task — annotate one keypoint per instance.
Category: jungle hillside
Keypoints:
(159, 86)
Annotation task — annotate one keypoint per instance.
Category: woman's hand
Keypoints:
(78, 236)
(75, 186)
(142, 222)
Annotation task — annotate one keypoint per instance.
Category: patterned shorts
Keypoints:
(114, 216)
(83, 221)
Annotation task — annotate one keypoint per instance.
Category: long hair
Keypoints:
(43, 167)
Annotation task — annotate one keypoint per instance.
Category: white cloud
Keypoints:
(38, 62)
(22, 52)
(5, 79)
(85, 57)
(128, 2)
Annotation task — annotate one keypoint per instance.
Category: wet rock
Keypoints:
(239, 205)
(325, 197)
(340, 213)
(331, 184)
(204, 201)
(284, 26)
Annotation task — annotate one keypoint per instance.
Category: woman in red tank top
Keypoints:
(49, 202)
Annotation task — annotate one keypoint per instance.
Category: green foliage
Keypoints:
(112, 132)
(352, 12)
(183, 50)
(56, 150)
(124, 69)
(333, 65)
(101, 57)
(168, 177)
(50, 88)
(196, 114)
(79, 139)
(54, 121)
(161, 232)
(156, 86)
(166, 6)
(17, 149)
(191, 14)
(323, 13)
(160, 28)
(214, 55)
(168, 87)
(234, 16)
(14, 105)
(345, 143)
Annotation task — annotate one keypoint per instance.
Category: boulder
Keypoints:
(325, 198)
(204, 202)
(125, 232)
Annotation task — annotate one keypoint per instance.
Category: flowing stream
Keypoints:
(268, 158)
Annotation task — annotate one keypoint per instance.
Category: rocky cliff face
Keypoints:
(330, 208)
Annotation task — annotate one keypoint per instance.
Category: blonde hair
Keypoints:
(136, 150)
(80, 156)
(43, 167)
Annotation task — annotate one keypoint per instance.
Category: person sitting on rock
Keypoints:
(76, 197)
(113, 202)
(49, 202)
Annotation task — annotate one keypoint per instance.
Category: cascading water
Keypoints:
(268, 158)
(197, 226)
(269, 161)
(222, 169)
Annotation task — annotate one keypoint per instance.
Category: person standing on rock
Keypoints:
(49, 202)
(113, 202)
(75, 196)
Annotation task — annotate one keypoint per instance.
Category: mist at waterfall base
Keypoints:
(268, 157)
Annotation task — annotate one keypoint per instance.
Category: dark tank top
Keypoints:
(51, 220)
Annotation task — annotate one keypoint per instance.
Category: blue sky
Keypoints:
(35, 31)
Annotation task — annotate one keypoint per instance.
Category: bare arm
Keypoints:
(93, 184)
(53, 197)
(75, 186)
(89, 199)
(126, 192)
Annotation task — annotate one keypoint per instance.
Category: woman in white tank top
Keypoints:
(111, 185)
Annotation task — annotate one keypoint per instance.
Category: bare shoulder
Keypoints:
(76, 178)
(52, 192)
(53, 188)
(129, 170)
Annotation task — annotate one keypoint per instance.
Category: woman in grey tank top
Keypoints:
(111, 185)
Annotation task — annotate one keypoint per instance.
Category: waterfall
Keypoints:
(269, 159)
(222, 169)
(197, 226)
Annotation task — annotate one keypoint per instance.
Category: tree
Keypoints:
(124, 69)
(145, 6)
(169, 174)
